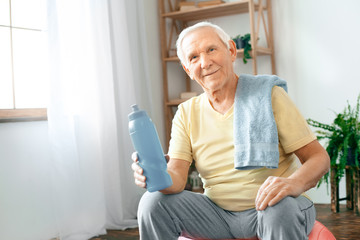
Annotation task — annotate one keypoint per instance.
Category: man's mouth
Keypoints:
(210, 73)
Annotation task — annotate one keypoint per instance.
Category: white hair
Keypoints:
(222, 35)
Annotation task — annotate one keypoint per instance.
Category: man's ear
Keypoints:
(232, 49)
(186, 70)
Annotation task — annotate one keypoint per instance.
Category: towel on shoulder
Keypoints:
(255, 132)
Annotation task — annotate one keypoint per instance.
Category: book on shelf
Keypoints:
(184, 6)
(209, 3)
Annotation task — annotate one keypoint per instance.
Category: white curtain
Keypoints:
(93, 82)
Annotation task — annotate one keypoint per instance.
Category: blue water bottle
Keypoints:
(150, 153)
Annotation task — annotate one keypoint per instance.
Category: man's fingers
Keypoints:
(274, 190)
(268, 193)
(138, 176)
(135, 166)
(265, 198)
(140, 179)
(261, 189)
(140, 183)
(277, 198)
(134, 156)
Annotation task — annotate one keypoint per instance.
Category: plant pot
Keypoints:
(239, 43)
(350, 160)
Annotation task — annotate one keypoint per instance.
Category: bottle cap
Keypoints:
(135, 107)
(136, 112)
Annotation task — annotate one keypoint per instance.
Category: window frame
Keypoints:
(20, 114)
(23, 115)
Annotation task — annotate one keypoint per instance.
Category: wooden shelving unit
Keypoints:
(169, 13)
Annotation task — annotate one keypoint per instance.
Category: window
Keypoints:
(23, 86)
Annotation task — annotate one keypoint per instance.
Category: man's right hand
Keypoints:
(177, 168)
(138, 171)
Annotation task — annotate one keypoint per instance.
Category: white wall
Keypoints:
(317, 52)
(25, 179)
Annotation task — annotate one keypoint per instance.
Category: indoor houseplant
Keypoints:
(343, 140)
(247, 47)
(244, 42)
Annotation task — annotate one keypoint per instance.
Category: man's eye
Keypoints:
(211, 49)
(193, 57)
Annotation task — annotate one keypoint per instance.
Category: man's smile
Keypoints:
(211, 73)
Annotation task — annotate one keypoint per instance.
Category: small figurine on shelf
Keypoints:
(195, 181)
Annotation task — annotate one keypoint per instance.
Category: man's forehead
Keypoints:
(204, 35)
(204, 32)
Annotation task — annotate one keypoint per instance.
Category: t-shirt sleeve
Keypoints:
(180, 145)
(293, 130)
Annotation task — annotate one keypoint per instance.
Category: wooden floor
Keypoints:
(345, 225)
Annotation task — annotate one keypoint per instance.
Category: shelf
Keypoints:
(172, 59)
(240, 53)
(173, 22)
(175, 102)
(224, 9)
(263, 51)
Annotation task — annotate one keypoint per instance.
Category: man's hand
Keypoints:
(138, 172)
(315, 163)
(275, 189)
(140, 179)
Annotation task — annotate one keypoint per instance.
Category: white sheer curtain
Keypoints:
(93, 84)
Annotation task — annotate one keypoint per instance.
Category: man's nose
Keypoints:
(205, 61)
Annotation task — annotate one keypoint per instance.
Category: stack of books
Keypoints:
(184, 6)
(209, 3)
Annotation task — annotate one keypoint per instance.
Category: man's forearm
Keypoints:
(312, 170)
(178, 170)
(178, 184)
(315, 164)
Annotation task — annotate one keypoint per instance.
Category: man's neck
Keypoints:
(223, 99)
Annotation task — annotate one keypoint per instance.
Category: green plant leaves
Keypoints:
(343, 136)
(244, 42)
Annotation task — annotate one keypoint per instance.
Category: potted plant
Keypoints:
(343, 140)
(247, 47)
(244, 42)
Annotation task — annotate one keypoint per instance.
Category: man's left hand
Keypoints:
(275, 189)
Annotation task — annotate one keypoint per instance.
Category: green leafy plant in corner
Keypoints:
(343, 140)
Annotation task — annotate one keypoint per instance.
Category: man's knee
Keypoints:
(290, 217)
(149, 204)
(284, 211)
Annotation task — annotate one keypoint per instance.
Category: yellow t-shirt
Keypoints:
(201, 134)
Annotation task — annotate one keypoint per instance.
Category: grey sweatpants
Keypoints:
(166, 217)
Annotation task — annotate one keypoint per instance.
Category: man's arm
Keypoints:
(315, 163)
(177, 168)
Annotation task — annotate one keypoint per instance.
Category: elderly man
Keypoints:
(254, 198)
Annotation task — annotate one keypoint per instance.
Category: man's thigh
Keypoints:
(195, 215)
(291, 218)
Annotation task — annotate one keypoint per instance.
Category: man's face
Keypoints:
(207, 59)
